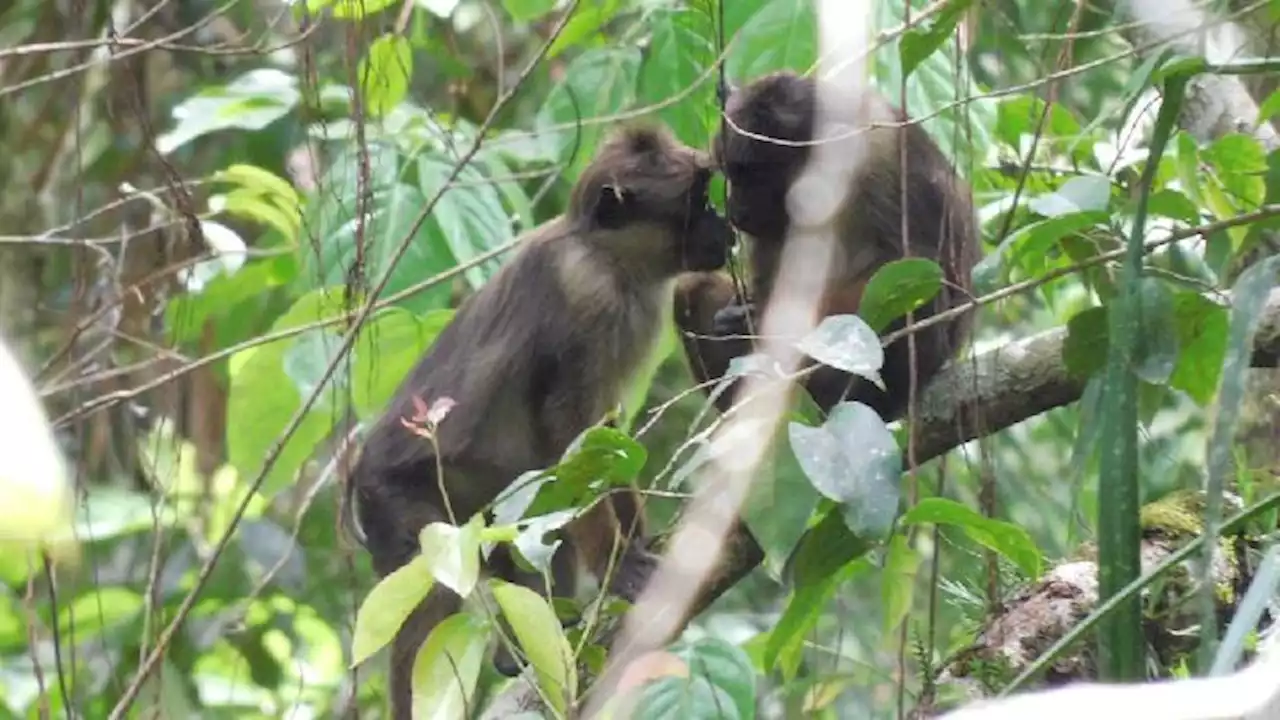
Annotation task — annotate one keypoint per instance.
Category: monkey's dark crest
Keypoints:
(540, 353)
(869, 231)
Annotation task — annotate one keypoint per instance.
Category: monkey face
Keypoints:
(649, 192)
(757, 151)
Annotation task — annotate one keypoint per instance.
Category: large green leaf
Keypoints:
(387, 606)
(718, 683)
(681, 48)
(599, 83)
(542, 639)
(447, 667)
(264, 394)
(780, 36)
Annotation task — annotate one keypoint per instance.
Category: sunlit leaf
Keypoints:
(598, 83)
(1079, 194)
(37, 498)
(387, 606)
(681, 47)
(539, 635)
(447, 667)
(919, 42)
(384, 73)
(779, 36)
(383, 358)
(250, 102)
(453, 553)
(263, 397)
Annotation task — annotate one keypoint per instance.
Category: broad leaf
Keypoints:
(387, 606)
(447, 667)
(898, 288)
(384, 73)
(1006, 538)
(453, 553)
(847, 343)
(538, 632)
(853, 460)
(719, 684)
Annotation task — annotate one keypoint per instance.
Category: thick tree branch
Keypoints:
(984, 395)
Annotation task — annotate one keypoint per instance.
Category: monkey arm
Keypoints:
(706, 311)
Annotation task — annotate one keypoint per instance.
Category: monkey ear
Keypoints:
(611, 207)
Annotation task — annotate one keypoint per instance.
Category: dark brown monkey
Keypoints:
(942, 227)
(539, 354)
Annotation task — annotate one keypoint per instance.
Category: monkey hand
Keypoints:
(633, 573)
(734, 319)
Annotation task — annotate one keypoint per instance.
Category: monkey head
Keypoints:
(647, 192)
(781, 106)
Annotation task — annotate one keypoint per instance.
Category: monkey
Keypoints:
(868, 230)
(538, 354)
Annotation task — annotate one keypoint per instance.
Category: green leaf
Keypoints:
(540, 636)
(524, 11)
(598, 83)
(847, 343)
(1008, 539)
(263, 397)
(387, 606)
(598, 459)
(1248, 299)
(585, 28)
(780, 36)
(1156, 353)
(393, 208)
(1084, 351)
(453, 553)
(447, 667)
(826, 548)
(781, 499)
(897, 583)
(384, 358)
(1240, 163)
(1080, 194)
(681, 47)
(919, 43)
(250, 102)
(470, 216)
(1270, 107)
(897, 289)
(824, 559)
(350, 9)
(853, 460)
(1202, 337)
(384, 73)
(719, 685)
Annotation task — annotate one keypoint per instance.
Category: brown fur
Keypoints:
(942, 228)
(535, 357)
